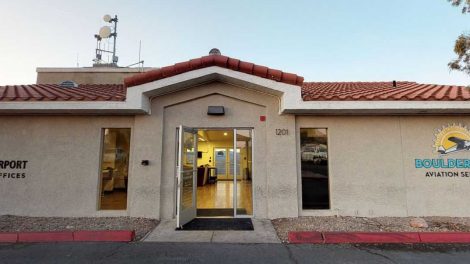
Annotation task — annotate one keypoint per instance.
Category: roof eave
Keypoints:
(72, 108)
(379, 108)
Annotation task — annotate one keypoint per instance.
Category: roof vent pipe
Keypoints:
(215, 51)
(394, 83)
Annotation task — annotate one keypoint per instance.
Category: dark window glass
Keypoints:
(314, 166)
(114, 168)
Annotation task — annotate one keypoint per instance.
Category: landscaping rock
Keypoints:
(141, 226)
(418, 223)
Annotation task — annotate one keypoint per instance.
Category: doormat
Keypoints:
(241, 224)
(219, 212)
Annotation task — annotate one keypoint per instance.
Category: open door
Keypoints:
(186, 170)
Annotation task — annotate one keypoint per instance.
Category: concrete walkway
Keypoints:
(165, 232)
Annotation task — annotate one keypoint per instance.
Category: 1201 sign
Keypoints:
(282, 132)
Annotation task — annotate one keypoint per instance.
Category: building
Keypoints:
(171, 142)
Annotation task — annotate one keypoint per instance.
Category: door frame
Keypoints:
(252, 133)
(191, 212)
(235, 204)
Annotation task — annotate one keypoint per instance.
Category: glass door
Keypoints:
(244, 172)
(221, 163)
(186, 170)
(228, 154)
(234, 160)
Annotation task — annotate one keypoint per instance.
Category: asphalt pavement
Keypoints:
(229, 253)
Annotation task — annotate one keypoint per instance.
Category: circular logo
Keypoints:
(453, 138)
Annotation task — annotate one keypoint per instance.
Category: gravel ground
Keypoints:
(384, 224)
(10, 223)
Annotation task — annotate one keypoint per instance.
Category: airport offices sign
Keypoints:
(13, 169)
(449, 140)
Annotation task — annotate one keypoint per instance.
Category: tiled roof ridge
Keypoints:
(214, 60)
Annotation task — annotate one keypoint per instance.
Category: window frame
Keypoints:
(299, 159)
(100, 165)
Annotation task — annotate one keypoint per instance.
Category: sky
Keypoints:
(342, 40)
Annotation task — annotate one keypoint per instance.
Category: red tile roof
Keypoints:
(382, 91)
(214, 60)
(54, 92)
(311, 91)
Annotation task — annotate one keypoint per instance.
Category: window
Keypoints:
(114, 168)
(314, 167)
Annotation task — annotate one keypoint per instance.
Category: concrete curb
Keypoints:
(311, 237)
(68, 236)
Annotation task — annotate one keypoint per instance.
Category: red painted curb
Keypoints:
(305, 237)
(311, 237)
(445, 237)
(64, 236)
(8, 237)
(110, 236)
(370, 237)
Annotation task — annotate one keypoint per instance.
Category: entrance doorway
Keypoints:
(218, 162)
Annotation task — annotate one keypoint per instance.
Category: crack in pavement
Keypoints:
(212, 236)
(370, 251)
(114, 251)
(290, 254)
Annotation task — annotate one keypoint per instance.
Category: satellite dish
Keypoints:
(105, 32)
(107, 18)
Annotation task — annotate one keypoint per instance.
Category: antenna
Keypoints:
(140, 62)
(105, 33)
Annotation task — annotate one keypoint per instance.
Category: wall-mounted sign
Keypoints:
(13, 169)
(282, 132)
(448, 140)
(452, 138)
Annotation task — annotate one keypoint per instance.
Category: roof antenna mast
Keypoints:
(140, 62)
(105, 33)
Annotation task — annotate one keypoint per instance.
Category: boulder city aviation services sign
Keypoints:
(449, 140)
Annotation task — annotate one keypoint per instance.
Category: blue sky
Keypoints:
(342, 40)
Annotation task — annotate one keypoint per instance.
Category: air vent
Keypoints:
(68, 84)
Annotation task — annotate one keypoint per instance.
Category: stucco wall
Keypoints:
(97, 75)
(372, 166)
(62, 173)
(275, 184)
(63, 153)
(372, 169)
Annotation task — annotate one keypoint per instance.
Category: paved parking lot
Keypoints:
(229, 253)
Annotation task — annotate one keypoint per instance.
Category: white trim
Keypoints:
(189, 79)
(178, 177)
(69, 107)
(378, 107)
(235, 194)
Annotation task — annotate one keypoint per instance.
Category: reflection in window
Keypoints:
(314, 166)
(114, 168)
(187, 172)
